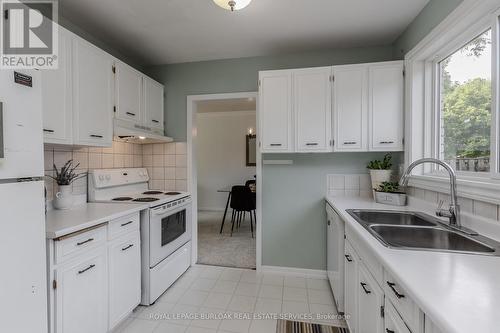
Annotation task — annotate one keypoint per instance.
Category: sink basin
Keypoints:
(392, 218)
(419, 231)
(428, 238)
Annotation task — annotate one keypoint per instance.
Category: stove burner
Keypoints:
(145, 199)
(122, 199)
(153, 192)
(172, 193)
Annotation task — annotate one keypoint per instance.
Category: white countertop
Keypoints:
(459, 292)
(62, 222)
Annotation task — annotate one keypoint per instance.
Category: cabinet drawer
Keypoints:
(69, 247)
(393, 322)
(123, 225)
(403, 304)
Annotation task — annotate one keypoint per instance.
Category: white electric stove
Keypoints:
(165, 226)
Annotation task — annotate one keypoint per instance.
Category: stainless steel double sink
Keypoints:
(418, 231)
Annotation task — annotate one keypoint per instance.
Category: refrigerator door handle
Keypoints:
(2, 155)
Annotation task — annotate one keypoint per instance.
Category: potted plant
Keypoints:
(380, 171)
(389, 193)
(64, 178)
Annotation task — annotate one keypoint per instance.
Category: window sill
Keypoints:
(475, 188)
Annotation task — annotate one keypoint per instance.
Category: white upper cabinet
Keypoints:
(312, 105)
(385, 104)
(350, 107)
(128, 92)
(56, 96)
(275, 111)
(92, 95)
(153, 103)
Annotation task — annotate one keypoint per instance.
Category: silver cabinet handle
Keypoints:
(84, 242)
(311, 144)
(96, 136)
(86, 269)
(350, 142)
(275, 144)
(127, 247)
(386, 142)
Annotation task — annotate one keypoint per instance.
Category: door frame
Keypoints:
(192, 111)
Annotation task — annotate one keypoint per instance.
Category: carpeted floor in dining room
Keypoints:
(222, 249)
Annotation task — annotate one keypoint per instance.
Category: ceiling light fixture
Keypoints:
(232, 5)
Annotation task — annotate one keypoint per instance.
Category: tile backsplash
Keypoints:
(349, 185)
(166, 163)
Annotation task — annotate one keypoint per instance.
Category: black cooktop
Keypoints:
(122, 199)
(145, 199)
(153, 192)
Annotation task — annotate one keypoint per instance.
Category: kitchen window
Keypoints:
(465, 115)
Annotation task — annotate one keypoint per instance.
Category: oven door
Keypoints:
(169, 229)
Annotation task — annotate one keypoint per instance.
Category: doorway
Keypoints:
(223, 153)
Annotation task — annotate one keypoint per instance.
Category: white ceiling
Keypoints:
(172, 31)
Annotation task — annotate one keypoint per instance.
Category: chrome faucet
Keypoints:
(453, 212)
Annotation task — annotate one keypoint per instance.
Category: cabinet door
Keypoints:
(81, 295)
(351, 287)
(124, 277)
(350, 107)
(393, 323)
(312, 105)
(128, 93)
(275, 111)
(56, 96)
(92, 95)
(386, 106)
(153, 103)
(370, 302)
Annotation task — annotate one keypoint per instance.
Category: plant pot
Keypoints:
(64, 198)
(379, 176)
(394, 199)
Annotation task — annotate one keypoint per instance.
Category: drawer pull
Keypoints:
(350, 142)
(48, 130)
(275, 144)
(155, 121)
(130, 114)
(391, 285)
(311, 144)
(96, 136)
(348, 258)
(363, 285)
(84, 242)
(386, 142)
(389, 331)
(127, 223)
(86, 269)
(127, 247)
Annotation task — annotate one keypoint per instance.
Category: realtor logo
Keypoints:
(29, 34)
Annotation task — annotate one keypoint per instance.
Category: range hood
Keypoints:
(134, 133)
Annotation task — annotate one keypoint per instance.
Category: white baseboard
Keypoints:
(291, 271)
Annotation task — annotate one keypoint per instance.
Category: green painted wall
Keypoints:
(293, 211)
(235, 75)
(432, 14)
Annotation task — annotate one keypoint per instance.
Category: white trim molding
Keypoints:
(467, 21)
(298, 272)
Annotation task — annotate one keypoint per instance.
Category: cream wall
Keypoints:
(221, 154)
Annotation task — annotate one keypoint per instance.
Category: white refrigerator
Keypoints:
(23, 286)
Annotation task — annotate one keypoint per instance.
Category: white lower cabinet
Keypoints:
(124, 277)
(350, 287)
(393, 322)
(81, 294)
(96, 287)
(370, 303)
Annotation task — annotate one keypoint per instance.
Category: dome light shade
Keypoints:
(232, 5)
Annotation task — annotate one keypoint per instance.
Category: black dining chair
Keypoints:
(242, 201)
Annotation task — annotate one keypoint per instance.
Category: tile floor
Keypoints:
(210, 299)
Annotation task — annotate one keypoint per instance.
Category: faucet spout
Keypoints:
(453, 212)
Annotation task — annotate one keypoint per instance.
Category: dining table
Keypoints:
(227, 189)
